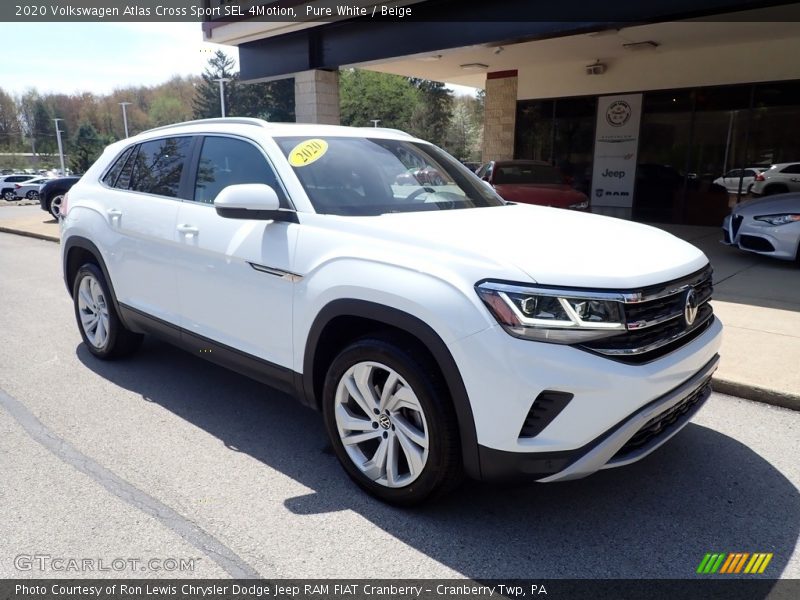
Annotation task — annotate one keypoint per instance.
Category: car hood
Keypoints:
(543, 194)
(552, 246)
(771, 205)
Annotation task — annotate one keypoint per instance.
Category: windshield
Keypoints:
(364, 176)
(526, 173)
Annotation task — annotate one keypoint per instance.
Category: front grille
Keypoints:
(662, 424)
(736, 222)
(656, 322)
(753, 242)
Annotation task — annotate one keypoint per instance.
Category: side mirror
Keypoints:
(252, 201)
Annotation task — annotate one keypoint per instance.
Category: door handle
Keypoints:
(188, 229)
(795, 179)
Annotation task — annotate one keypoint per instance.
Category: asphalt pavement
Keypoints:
(164, 456)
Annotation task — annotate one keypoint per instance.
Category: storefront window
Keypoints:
(775, 123)
(664, 138)
(534, 130)
(573, 135)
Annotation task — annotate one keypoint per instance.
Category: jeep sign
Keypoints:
(616, 143)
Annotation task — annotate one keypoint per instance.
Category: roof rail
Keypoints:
(229, 120)
(388, 130)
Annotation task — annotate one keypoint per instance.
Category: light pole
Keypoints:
(60, 147)
(222, 81)
(125, 115)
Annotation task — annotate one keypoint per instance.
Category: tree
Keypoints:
(166, 110)
(431, 115)
(367, 95)
(273, 101)
(9, 126)
(206, 102)
(465, 129)
(85, 148)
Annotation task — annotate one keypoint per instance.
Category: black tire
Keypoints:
(32, 195)
(443, 469)
(119, 341)
(54, 206)
(8, 195)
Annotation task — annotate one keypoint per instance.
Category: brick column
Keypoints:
(500, 115)
(316, 97)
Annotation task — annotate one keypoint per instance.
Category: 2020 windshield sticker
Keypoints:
(307, 152)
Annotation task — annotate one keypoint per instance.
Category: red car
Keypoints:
(532, 182)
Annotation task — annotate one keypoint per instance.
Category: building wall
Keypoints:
(499, 117)
(737, 62)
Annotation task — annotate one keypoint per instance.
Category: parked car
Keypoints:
(769, 226)
(778, 179)
(29, 189)
(52, 193)
(730, 180)
(439, 329)
(7, 183)
(532, 182)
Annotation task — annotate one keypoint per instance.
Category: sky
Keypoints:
(99, 57)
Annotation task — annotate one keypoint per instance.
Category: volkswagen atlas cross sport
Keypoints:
(440, 330)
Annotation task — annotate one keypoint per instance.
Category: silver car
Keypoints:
(769, 226)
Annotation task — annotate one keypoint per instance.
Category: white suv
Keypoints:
(778, 179)
(439, 330)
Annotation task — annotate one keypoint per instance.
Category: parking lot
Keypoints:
(167, 457)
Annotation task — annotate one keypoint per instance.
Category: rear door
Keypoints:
(142, 207)
(235, 276)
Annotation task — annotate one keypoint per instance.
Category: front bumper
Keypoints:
(611, 403)
(625, 443)
(748, 234)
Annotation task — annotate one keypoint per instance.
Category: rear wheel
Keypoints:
(32, 195)
(391, 422)
(101, 329)
(8, 195)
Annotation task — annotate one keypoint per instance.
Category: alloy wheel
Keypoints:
(381, 424)
(93, 311)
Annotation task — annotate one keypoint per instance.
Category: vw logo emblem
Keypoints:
(690, 307)
(384, 421)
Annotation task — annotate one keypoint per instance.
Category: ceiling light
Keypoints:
(474, 66)
(499, 50)
(432, 58)
(646, 45)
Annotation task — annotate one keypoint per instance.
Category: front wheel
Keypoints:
(9, 196)
(391, 422)
(101, 329)
(55, 205)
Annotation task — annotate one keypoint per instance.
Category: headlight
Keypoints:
(779, 219)
(558, 316)
(580, 205)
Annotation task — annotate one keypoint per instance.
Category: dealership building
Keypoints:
(642, 105)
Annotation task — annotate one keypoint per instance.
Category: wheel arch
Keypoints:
(79, 250)
(344, 320)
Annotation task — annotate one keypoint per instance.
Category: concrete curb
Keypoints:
(756, 394)
(31, 234)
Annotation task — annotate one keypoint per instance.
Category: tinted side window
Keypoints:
(113, 173)
(158, 165)
(792, 169)
(227, 161)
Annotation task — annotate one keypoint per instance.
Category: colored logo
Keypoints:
(734, 562)
(618, 113)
